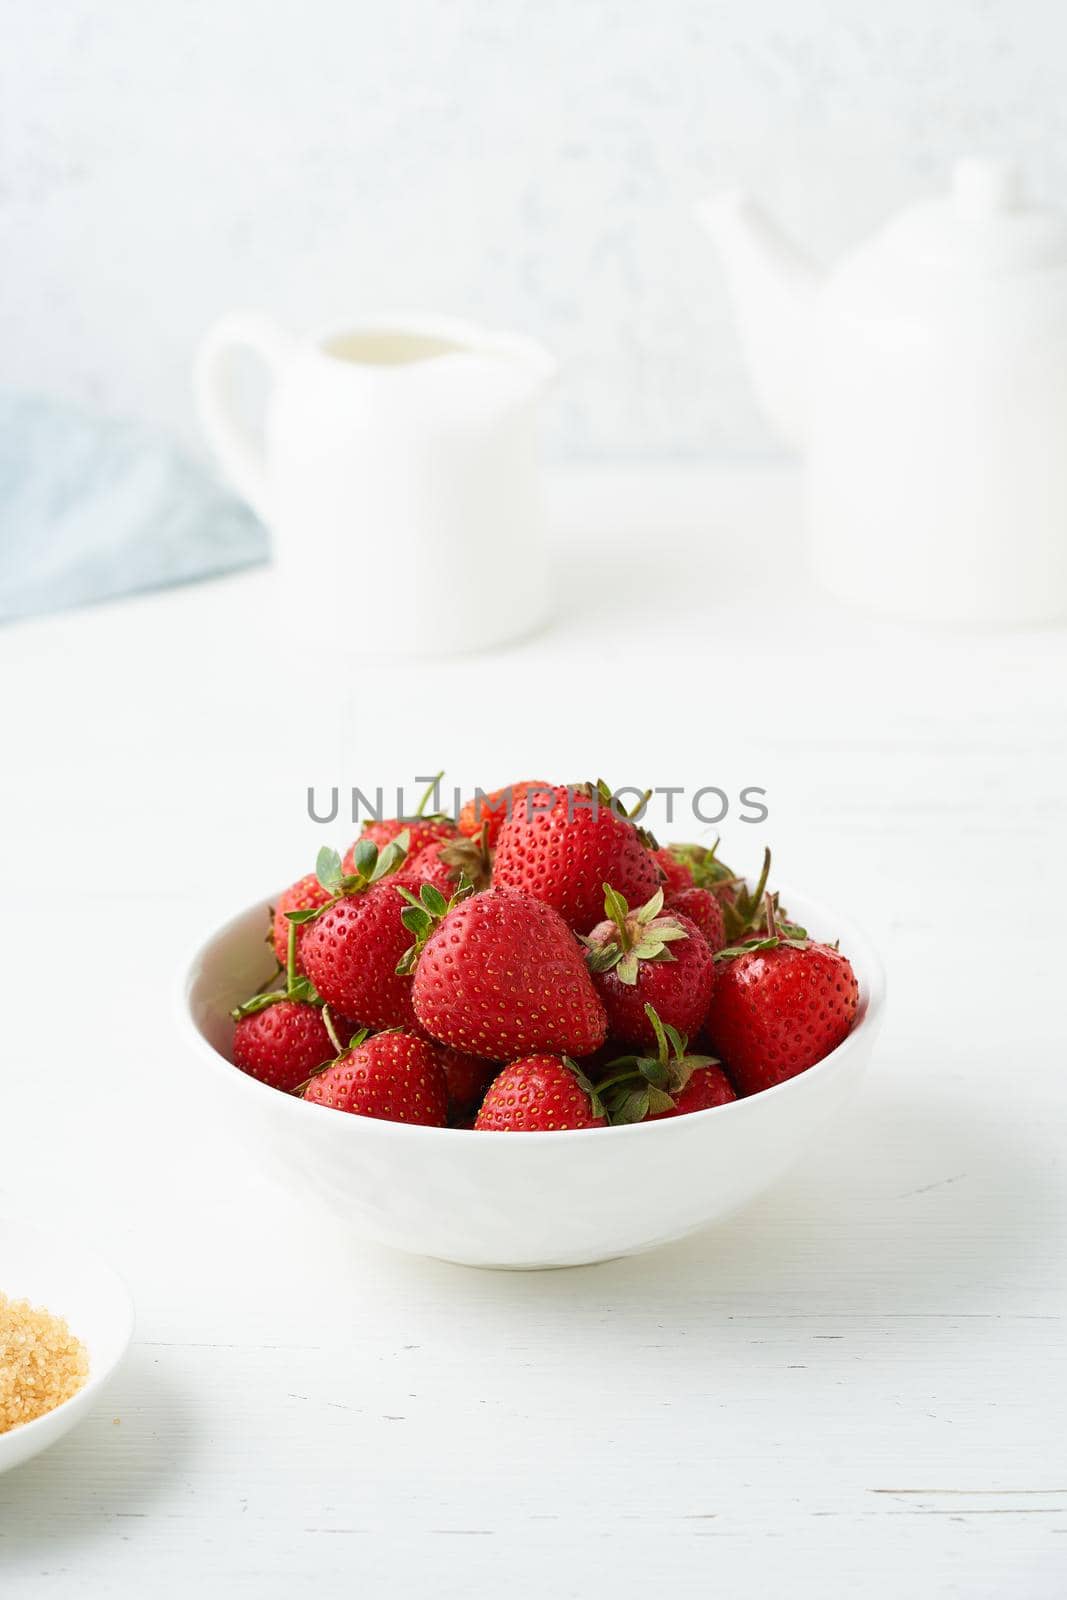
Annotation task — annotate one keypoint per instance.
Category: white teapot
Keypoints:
(925, 380)
(397, 459)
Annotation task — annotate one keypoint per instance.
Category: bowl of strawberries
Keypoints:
(530, 1035)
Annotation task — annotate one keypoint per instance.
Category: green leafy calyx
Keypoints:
(371, 864)
(774, 934)
(742, 907)
(641, 935)
(469, 858)
(639, 1086)
(422, 914)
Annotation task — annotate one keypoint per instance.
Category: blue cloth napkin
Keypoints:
(91, 508)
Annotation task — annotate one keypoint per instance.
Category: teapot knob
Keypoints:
(982, 189)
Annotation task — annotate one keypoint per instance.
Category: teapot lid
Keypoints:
(983, 225)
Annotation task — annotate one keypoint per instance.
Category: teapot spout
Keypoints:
(773, 286)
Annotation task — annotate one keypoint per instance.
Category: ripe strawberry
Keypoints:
(676, 874)
(645, 957)
(702, 908)
(492, 808)
(350, 947)
(304, 895)
(421, 829)
(500, 975)
(350, 952)
(539, 1094)
(283, 1044)
(284, 1035)
(564, 855)
(395, 1077)
(467, 1077)
(779, 1005)
(671, 1083)
(707, 1087)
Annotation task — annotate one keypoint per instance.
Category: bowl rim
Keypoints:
(855, 943)
(125, 1324)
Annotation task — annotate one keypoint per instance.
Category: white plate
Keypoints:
(61, 1276)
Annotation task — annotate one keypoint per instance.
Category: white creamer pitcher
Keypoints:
(398, 472)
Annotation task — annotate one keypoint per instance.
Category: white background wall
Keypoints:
(527, 163)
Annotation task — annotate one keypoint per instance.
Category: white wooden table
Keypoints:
(857, 1386)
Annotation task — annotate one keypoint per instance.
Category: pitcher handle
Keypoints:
(240, 452)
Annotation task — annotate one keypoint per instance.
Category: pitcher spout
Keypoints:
(774, 287)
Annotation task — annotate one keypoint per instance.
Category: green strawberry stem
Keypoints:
(424, 802)
(593, 1091)
(629, 1067)
(290, 959)
(661, 1038)
(342, 1050)
(297, 986)
(778, 933)
(332, 1031)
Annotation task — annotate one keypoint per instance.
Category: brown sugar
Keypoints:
(41, 1362)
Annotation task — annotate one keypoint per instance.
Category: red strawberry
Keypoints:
(305, 895)
(395, 1077)
(701, 907)
(492, 808)
(676, 874)
(283, 1035)
(350, 948)
(468, 1077)
(707, 1087)
(565, 855)
(671, 1083)
(283, 1044)
(648, 957)
(779, 1006)
(350, 953)
(501, 975)
(539, 1094)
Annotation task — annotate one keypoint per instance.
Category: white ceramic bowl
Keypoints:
(58, 1274)
(519, 1199)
